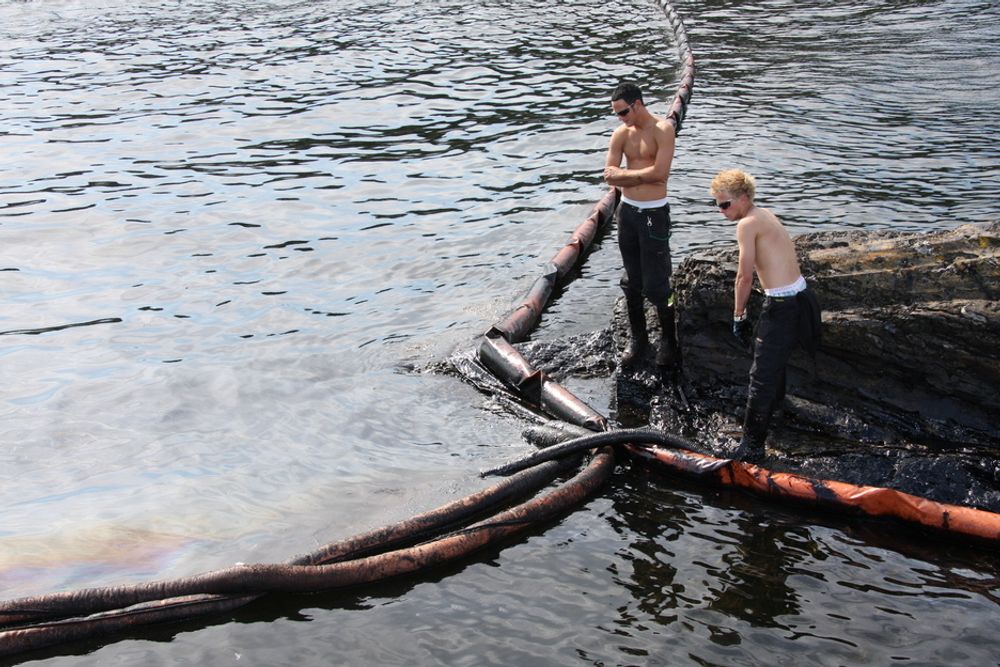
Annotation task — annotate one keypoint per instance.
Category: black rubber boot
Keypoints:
(751, 447)
(639, 341)
(668, 354)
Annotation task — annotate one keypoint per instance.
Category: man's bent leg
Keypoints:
(777, 335)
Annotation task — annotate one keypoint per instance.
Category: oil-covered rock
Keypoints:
(903, 392)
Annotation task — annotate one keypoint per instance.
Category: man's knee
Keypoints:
(631, 292)
(767, 379)
(656, 280)
(761, 394)
(659, 297)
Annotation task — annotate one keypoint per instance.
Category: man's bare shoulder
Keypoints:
(619, 134)
(745, 226)
(665, 126)
(753, 224)
(760, 217)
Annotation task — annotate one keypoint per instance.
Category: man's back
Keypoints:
(774, 259)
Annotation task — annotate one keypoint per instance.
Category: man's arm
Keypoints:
(616, 151)
(746, 237)
(658, 172)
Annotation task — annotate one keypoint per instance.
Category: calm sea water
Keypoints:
(230, 231)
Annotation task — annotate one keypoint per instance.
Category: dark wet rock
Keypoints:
(903, 394)
(911, 331)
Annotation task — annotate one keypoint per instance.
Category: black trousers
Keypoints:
(784, 323)
(644, 241)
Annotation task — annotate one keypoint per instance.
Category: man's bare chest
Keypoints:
(640, 146)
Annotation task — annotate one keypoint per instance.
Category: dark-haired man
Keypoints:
(646, 142)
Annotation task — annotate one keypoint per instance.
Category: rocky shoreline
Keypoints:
(904, 393)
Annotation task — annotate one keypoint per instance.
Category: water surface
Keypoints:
(229, 232)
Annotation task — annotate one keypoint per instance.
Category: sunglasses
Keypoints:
(624, 112)
(723, 205)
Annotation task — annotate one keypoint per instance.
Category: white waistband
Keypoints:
(656, 203)
(787, 290)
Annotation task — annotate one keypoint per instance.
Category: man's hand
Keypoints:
(611, 173)
(743, 331)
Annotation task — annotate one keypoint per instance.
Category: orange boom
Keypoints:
(675, 453)
(869, 500)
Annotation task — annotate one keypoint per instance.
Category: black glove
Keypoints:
(743, 331)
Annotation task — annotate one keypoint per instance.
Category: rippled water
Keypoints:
(229, 232)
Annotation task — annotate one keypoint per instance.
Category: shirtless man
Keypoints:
(643, 219)
(790, 315)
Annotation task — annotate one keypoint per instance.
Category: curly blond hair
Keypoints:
(733, 182)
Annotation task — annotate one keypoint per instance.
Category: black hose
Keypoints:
(637, 436)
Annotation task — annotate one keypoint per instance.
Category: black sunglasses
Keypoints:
(723, 205)
(624, 112)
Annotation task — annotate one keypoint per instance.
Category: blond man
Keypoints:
(790, 315)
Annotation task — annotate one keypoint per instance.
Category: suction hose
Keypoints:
(586, 442)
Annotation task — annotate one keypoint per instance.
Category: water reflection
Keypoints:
(747, 577)
(753, 585)
(744, 563)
